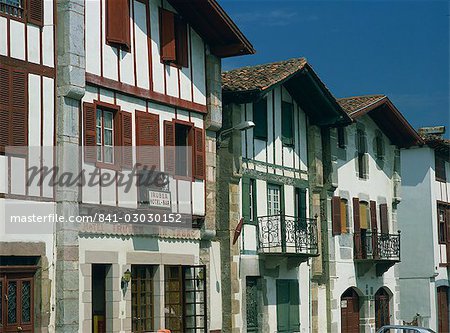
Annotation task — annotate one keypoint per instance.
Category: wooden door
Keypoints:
(142, 302)
(288, 315)
(17, 303)
(350, 312)
(443, 322)
(382, 315)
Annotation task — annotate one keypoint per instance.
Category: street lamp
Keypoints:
(245, 125)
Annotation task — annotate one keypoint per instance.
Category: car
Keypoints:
(404, 329)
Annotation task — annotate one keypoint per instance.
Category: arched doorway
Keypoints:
(442, 298)
(350, 311)
(382, 314)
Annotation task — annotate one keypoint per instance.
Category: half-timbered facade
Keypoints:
(273, 218)
(424, 215)
(364, 240)
(152, 98)
(27, 112)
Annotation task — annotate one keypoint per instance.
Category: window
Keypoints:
(252, 303)
(13, 108)
(260, 119)
(300, 207)
(105, 129)
(32, 10)
(364, 215)
(442, 223)
(440, 168)
(344, 217)
(341, 137)
(361, 145)
(174, 38)
(184, 153)
(384, 218)
(287, 123)
(185, 298)
(118, 23)
(379, 146)
(340, 215)
(273, 200)
(105, 136)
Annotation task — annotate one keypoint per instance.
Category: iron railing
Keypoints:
(377, 246)
(287, 234)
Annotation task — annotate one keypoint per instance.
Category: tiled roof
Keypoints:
(438, 143)
(260, 77)
(353, 104)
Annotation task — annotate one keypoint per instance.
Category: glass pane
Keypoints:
(108, 137)
(26, 301)
(99, 136)
(99, 153)
(99, 118)
(12, 302)
(108, 154)
(108, 121)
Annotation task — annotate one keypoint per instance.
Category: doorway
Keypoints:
(382, 313)
(443, 322)
(350, 311)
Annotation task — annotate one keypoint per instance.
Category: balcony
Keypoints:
(374, 248)
(287, 235)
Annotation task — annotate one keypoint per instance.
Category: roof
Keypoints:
(354, 104)
(261, 77)
(250, 83)
(215, 26)
(384, 113)
(438, 143)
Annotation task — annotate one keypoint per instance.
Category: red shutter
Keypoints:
(167, 34)
(118, 22)
(169, 147)
(36, 12)
(181, 40)
(127, 139)
(199, 153)
(384, 219)
(357, 229)
(147, 139)
(373, 222)
(5, 126)
(89, 117)
(336, 218)
(19, 109)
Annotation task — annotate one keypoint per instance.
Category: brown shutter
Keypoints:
(118, 22)
(447, 225)
(147, 139)
(19, 109)
(169, 147)
(89, 117)
(127, 139)
(357, 229)
(167, 28)
(384, 219)
(181, 40)
(199, 153)
(336, 217)
(36, 12)
(5, 127)
(373, 222)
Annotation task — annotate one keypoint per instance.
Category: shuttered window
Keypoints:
(105, 129)
(179, 138)
(260, 119)
(249, 200)
(336, 217)
(287, 123)
(147, 140)
(440, 168)
(384, 219)
(364, 215)
(362, 162)
(118, 23)
(36, 12)
(13, 108)
(174, 38)
(344, 217)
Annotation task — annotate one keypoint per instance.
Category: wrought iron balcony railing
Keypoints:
(377, 246)
(282, 234)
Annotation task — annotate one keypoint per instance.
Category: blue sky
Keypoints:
(398, 48)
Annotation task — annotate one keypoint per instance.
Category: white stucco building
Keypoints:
(424, 218)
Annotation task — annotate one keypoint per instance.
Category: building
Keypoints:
(424, 219)
(27, 108)
(270, 182)
(363, 239)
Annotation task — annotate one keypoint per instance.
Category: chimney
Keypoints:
(434, 131)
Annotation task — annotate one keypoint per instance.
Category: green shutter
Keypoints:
(283, 308)
(260, 119)
(246, 199)
(287, 123)
(302, 205)
(294, 315)
(288, 301)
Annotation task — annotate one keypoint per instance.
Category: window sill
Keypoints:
(441, 180)
(102, 165)
(172, 64)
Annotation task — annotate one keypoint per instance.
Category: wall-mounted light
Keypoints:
(245, 125)
(126, 278)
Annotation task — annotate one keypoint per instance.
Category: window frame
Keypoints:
(345, 225)
(190, 143)
(280, 199)
(442, 238)
(379, 147)
(363, 167)
(260, 131)
(439, 168)
(181, 38)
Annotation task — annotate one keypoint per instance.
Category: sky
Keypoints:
(398, 48)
